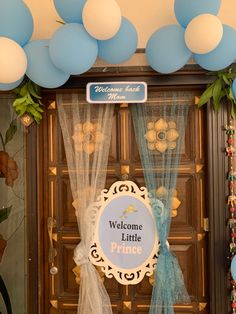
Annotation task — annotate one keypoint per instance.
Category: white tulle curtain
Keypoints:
(86, 130)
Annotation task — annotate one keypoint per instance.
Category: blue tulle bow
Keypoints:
(169, 287)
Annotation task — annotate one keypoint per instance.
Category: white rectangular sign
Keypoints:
(116, 92)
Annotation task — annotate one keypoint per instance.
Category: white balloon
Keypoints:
(101, 18)
(203, 33)
(13, 61)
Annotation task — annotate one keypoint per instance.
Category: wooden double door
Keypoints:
(59, 278)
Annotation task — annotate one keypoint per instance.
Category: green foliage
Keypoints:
(11, 131)
(4, 213)
(5, 296)
(61, 22)
(220, 89)
(28, 100)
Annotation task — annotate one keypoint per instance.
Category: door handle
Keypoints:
(52, 253)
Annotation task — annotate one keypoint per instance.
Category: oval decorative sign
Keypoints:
(125, 242)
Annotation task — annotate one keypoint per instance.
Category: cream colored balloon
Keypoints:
(13, 61)
(203, 33)
(101, 18)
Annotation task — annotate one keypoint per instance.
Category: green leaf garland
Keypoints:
(220, 89)
(28, 100)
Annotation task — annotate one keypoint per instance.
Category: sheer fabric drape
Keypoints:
(159, 130)
(86, 130)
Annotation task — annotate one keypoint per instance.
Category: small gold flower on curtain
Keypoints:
(161, 135)
(87, 137)
(172, 196)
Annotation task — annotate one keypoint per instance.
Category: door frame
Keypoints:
(190, 77)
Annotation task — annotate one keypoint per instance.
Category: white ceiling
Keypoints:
(146, 15)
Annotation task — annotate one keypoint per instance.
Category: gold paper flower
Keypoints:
(161, 135)
(174, 202)
(87, 137)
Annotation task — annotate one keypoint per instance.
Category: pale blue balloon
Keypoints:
(233, 268)
(72, 49)
(40, 68)
(16, 21)
(11, 85)
(186, 10)
(70, 10)
(223, 55)
(166, 50)
(122, 46)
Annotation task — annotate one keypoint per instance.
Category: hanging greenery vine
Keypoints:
(220, 90)
(28, 100)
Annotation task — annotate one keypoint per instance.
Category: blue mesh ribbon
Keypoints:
(169, 287)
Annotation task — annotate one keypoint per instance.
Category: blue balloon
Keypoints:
(70, 10)
(16, 21)
(166, 50)
(11, 85)
(186, 10)
(223, 55)
(40, 68)
(72, 49)
(233, 268)
(120, 47)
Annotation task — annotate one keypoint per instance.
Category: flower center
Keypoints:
(161, 135)
(88, 137)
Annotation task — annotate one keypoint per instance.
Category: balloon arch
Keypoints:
(91, 29)
(96, 28)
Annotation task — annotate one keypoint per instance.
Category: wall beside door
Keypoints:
(13, 247)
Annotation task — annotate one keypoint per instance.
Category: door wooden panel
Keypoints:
(188, 237)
